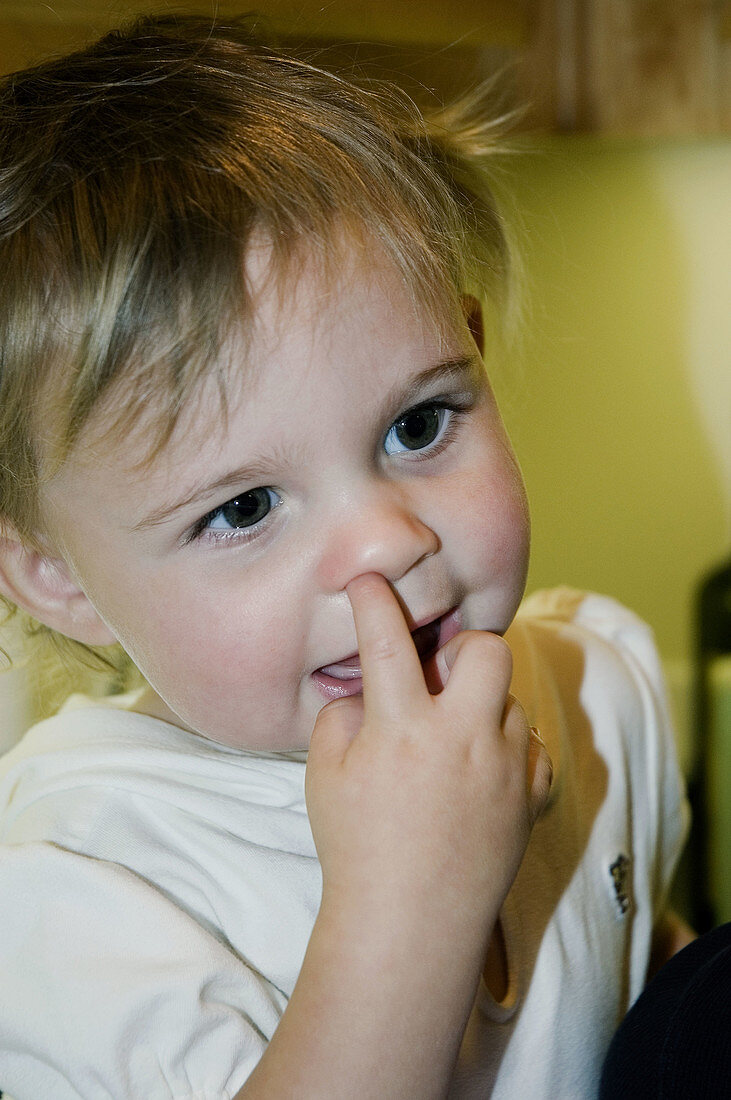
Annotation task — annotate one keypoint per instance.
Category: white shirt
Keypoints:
(159, 889)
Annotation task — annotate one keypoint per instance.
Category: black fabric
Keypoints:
(675, 1042)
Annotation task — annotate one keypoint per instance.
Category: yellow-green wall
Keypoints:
(619, 403)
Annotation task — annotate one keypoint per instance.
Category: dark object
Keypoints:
(675, 1042)
(713, 640)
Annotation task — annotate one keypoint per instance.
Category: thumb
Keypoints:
(438, 668)
(337, 724)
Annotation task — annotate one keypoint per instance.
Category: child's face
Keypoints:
(356, 441)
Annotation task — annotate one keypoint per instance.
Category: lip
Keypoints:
(349, 680)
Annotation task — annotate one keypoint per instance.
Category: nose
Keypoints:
(379, 533)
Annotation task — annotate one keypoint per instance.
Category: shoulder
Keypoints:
(92, 759)
(584, 662)
(54, 780)
(84, 722)
(109, 732)
(600, 615)
(100, 777)
(565, 625)
(590, 669)
(87, 737)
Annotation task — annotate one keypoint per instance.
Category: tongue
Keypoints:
(425, 640)
(349, 669)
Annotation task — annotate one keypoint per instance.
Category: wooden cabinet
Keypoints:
(628, 67)
(640, 67)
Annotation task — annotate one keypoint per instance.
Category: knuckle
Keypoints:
(327, 714)
(491, 650)
(335, 714)
(515, 716)
(383, 649)
(502, 654)
(367, 587)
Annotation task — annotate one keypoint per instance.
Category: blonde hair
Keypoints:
(133, 176)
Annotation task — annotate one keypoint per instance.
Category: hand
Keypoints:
(421, 805)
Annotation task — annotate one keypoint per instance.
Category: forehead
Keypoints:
(315, 323)
(356, 296)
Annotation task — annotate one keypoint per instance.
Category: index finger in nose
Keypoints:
(392, 672)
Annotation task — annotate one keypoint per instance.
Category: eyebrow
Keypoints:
(260, 469)
(461, 369)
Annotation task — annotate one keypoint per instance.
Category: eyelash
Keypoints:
(201, 531)
(446, 432)
(456, 406)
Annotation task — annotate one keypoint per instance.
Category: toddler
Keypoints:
(247, 435)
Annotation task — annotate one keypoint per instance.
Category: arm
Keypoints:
(671, 935)
(421, 808)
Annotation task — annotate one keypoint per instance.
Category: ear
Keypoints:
(43, 585)
(473, 316)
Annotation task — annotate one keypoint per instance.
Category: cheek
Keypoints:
(220, 637)
(239, 634)
(233, 677)
(490, 517)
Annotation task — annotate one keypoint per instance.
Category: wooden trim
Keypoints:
(645, 68)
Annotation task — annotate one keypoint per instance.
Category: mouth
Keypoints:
(345, 677)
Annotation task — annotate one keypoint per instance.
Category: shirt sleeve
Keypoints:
(111, 992)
